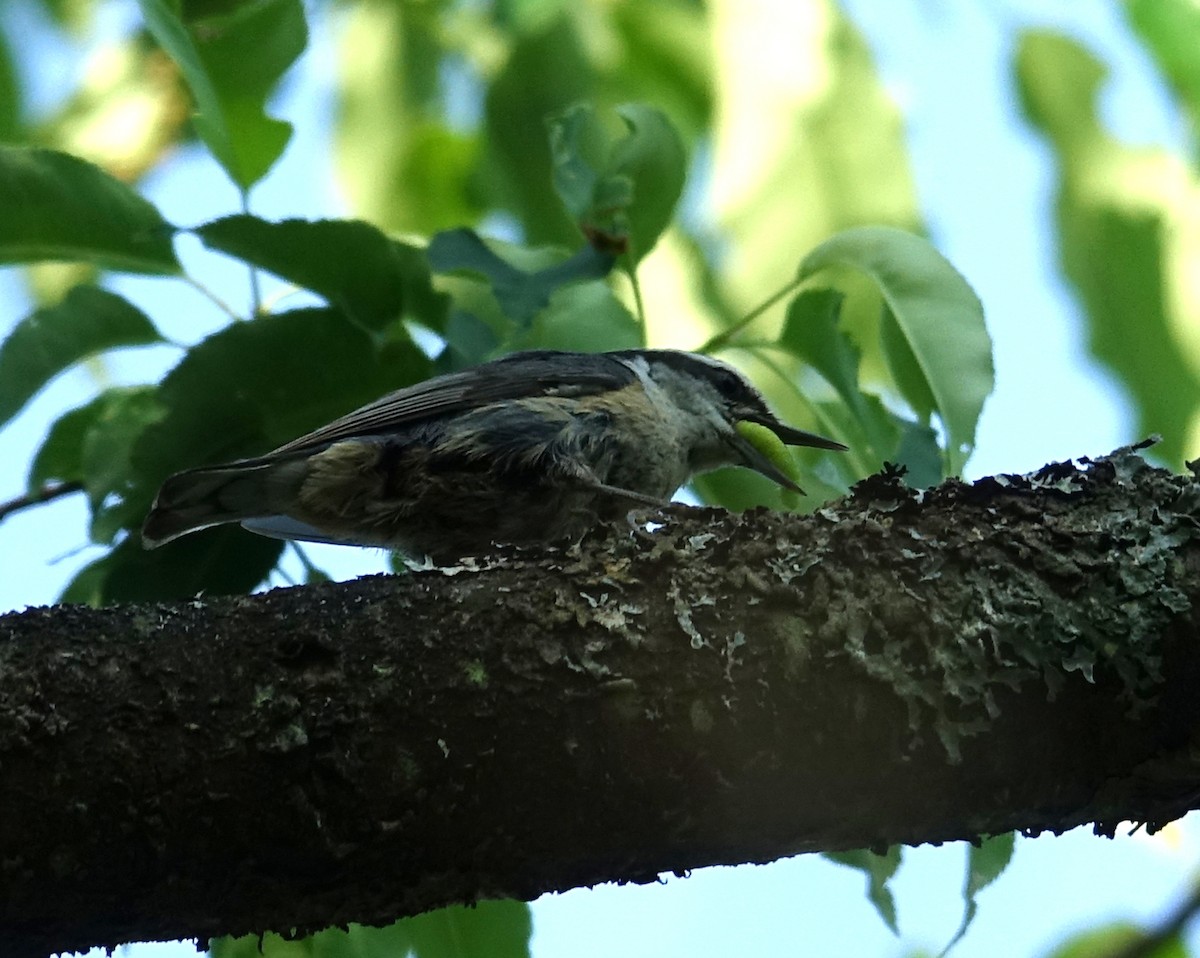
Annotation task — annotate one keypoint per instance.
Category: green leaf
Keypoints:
(357, 941)
(585, 318)
(527, 16)
(10, 94)
(578, 149)
(57, 206)
(920, 455)
(874, 433)
(1118, 938)
(521, 293)
(371, 277)
(469, 341)
(865, 456)
(937, 314)
(985, 863)
(105, 457)
(490, 929)
(1170, 30)
(810, 333)
(87, 585)
(904, 367)
(879, 870)
(738, 489)
(222, 561)
(89, 320)
(92, 445)
(653, 157)
(620, 190)
(60, 457)
(231, 63)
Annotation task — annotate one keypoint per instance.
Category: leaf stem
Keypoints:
(722, 339)
(212, 297)
(639, 303)
(255, 279)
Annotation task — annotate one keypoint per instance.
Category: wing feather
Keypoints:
(516, 376)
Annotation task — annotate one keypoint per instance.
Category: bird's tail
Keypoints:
(199, 498)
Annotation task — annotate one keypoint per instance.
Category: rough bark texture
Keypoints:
(898, 667)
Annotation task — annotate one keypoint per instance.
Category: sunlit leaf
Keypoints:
(796, 159)
(1171, 31)
(57, 206)
(88, 321)
(402, 161)
(1118, 938)
(129, 111)
(1125, 238)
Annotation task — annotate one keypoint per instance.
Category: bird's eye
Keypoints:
(730, 383)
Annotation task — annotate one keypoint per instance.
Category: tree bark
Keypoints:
(900, 666)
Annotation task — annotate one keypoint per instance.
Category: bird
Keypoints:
(535, 447)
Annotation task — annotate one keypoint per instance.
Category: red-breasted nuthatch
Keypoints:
(535, 447)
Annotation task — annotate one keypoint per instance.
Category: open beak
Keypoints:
(759, 462)
(797, 437)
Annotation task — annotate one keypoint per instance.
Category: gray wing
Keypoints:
(517, 376)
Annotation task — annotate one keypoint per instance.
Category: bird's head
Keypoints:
(714, 399)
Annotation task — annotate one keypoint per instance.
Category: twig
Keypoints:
(48, 492)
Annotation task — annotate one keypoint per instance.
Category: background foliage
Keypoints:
(498, 157)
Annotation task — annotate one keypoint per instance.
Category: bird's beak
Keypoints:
(759, 463)
(755, 459)
(797, 437)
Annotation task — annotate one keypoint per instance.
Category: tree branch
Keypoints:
(900, 666)
(48, 492)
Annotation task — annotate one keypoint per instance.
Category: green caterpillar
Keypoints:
(771, 446)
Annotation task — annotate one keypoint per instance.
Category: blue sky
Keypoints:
(986, 187)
